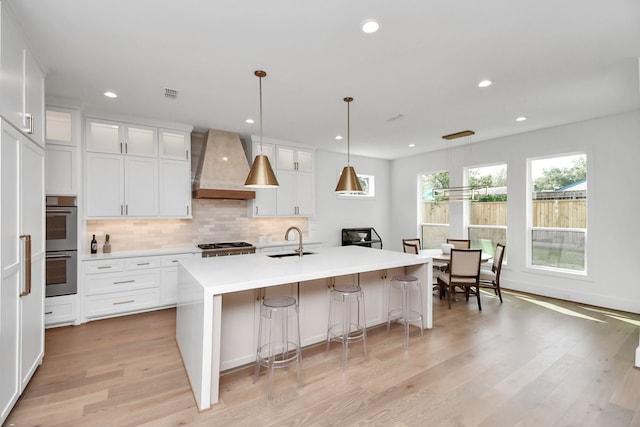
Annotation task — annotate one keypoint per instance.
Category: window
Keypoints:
(488, 209)
(434, 210)
(558, 214)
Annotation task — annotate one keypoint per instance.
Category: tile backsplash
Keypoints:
(213, 221)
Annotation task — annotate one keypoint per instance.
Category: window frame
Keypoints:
(548, 270)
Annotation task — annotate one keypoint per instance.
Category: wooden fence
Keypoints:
(546, 213)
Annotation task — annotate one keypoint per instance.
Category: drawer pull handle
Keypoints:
(48, 312)
(174, 260)
(143, 263)
(124, 281)
(103, 267)
(124, 302)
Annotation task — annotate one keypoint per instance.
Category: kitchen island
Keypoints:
(204, 282)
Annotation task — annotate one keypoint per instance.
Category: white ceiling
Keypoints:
(553, 61)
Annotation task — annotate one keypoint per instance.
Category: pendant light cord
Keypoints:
(260, 74)
(348, 100)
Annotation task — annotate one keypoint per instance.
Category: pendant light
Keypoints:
(348, 182)
(261, 174)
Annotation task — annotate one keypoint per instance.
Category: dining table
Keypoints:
(439, 256)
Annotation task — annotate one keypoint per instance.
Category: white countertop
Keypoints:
(220, 275)
(141, 253)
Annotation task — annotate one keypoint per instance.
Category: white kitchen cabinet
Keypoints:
(314, 311)
(264, 205)
(61, 170)
(62, 151)
(118, 286)
(135, 171)
(22, 83)
(129, 285)
(33, 110)
(238, 344)
(242, 309)
(61, 310)
(295, 196)
(61, 124)
(22, 263)
(106, 136)
(121, 186)
(175, 189)
(174, 144)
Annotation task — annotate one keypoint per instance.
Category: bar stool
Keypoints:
(405, 314)
(278, 339)
(347, 323)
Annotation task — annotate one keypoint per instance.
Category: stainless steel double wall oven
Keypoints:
(62, 249)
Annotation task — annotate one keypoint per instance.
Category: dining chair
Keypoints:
(464, 272)
(491, 278)
(411, 246)
(460, 243)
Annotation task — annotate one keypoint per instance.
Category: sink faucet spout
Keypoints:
(299, 251)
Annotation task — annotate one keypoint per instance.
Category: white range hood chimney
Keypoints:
(222, 168)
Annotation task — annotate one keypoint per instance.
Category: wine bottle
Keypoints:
(94, 245)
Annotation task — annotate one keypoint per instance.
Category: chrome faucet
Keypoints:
(286, 237)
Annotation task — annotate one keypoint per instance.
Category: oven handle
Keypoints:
(52, 211)
(57, 256)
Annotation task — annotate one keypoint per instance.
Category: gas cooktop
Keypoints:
(224, 245)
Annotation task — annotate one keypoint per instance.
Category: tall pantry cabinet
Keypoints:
(22, 220)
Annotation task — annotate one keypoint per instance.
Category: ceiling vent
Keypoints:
(170, 93)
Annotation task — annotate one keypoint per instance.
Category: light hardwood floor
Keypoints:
(531, 361)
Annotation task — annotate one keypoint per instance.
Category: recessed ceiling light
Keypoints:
(370, 26)
(412, 145)
(485, 83)
(110, 94)
(521, 119)
(339, 137)
(250, 121)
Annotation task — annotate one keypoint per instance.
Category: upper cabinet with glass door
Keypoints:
(290, 158)
(174, 144)
(104, 136)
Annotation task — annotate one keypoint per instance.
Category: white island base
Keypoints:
(217, 300)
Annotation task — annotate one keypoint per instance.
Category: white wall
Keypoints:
(612, 145)
(334, 213)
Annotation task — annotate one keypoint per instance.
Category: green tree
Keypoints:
(555, 178)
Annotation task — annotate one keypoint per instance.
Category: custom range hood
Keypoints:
(222, 166)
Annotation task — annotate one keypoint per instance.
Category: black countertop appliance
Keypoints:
(363, 236)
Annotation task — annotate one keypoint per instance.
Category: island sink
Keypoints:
(288, 254)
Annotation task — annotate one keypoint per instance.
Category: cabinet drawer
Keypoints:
(142, 263)
(172, 260)
(60, 309)
(121, 302)
(104, 266)
(121, 282)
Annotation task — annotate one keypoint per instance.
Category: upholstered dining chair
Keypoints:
(411, 246)
(491, 278)
(460, 243)
(464, 272)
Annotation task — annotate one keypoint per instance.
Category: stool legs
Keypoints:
(275, 347)
(405, 314)
(347, 330)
